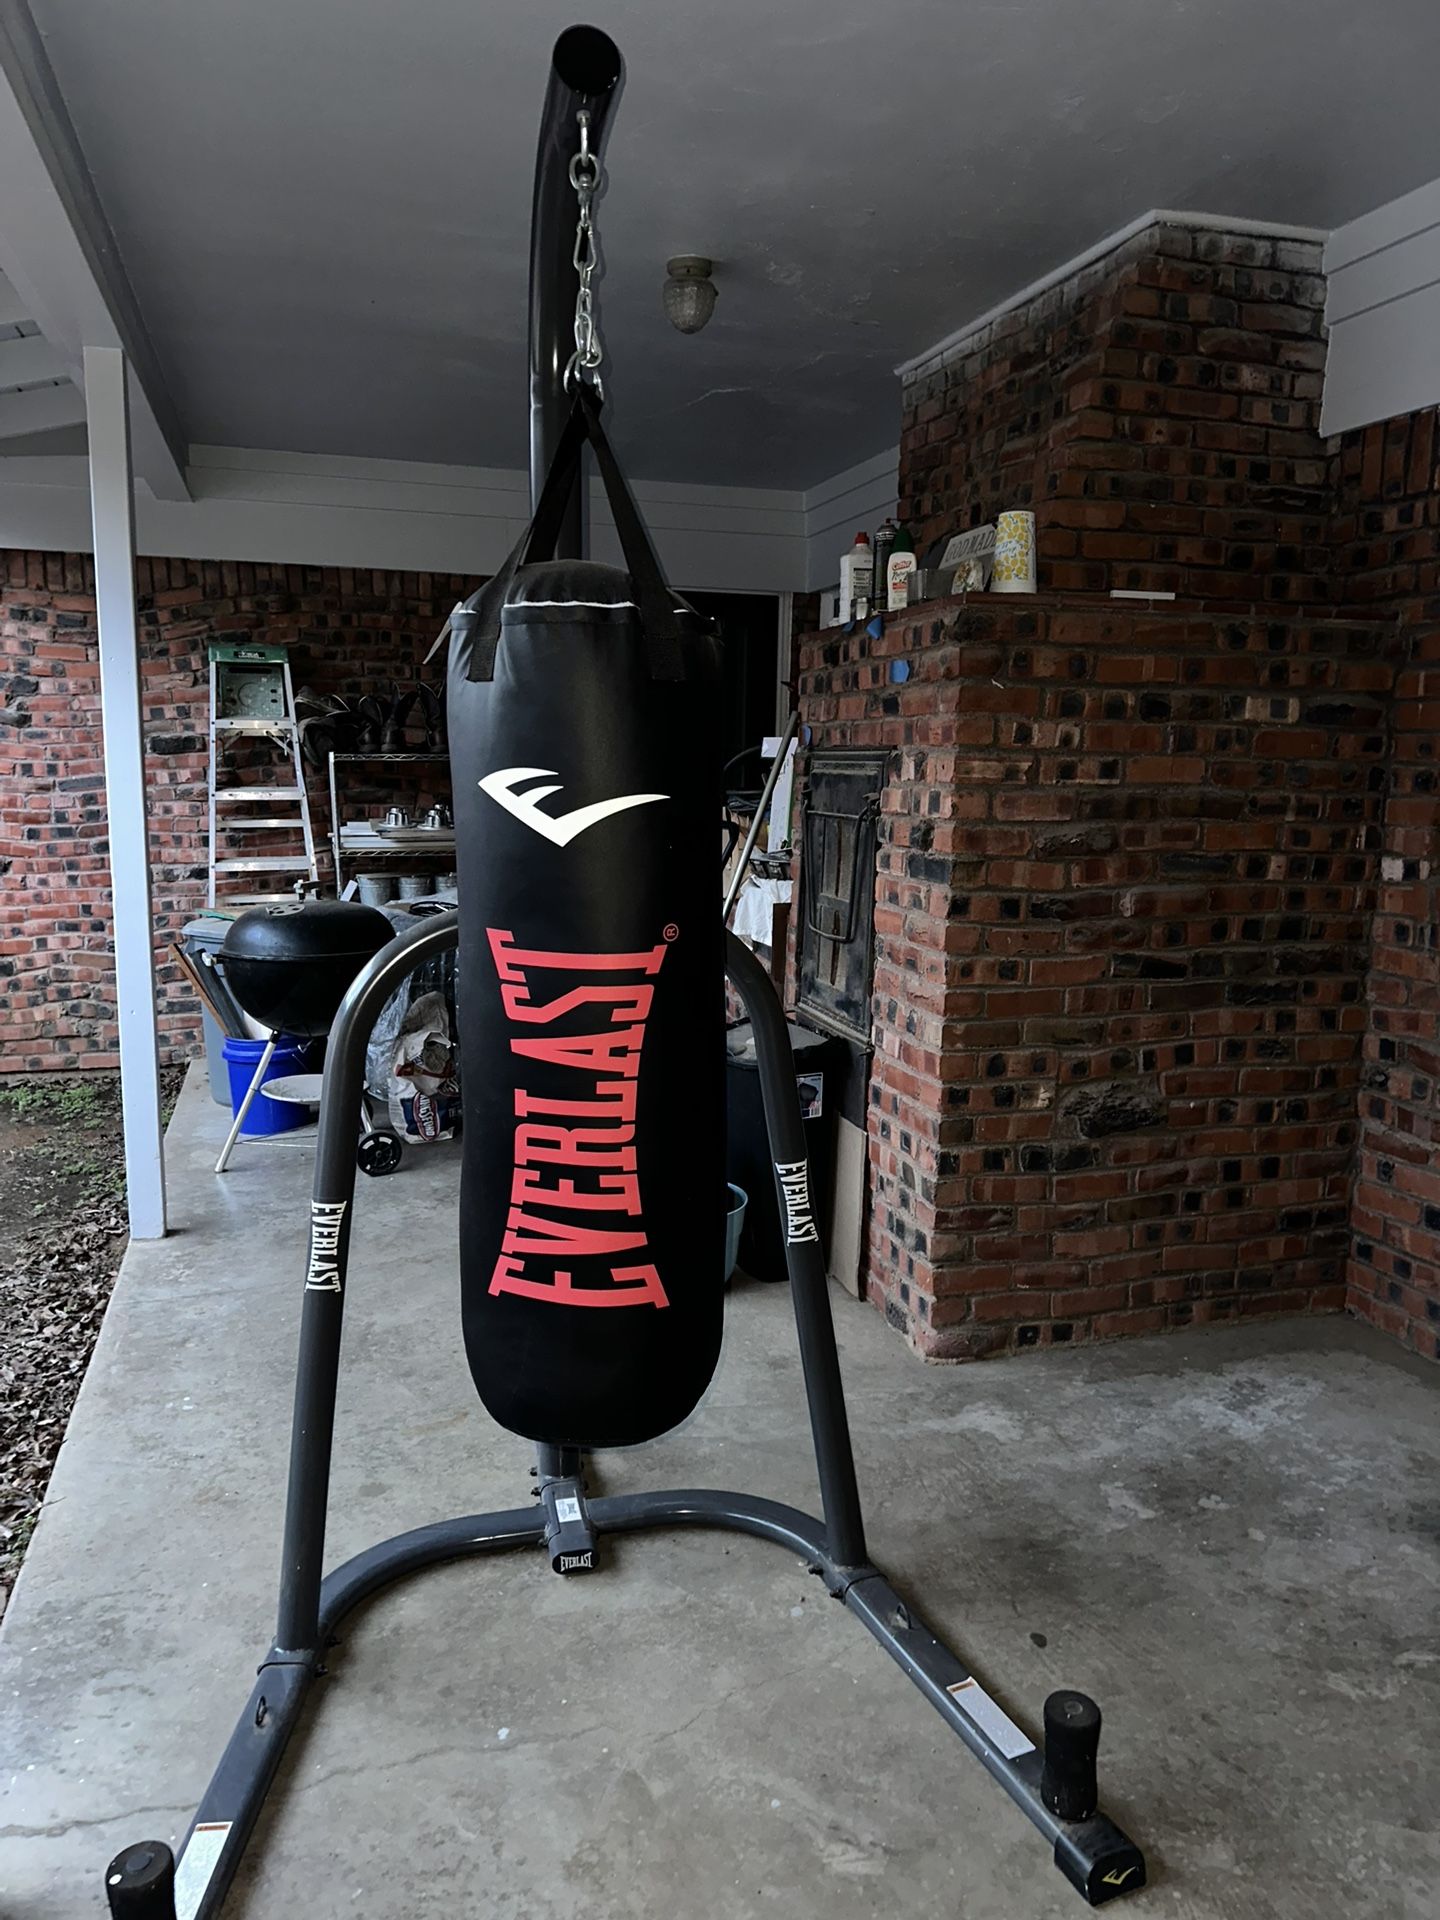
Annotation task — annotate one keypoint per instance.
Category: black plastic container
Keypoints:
(819, 1059)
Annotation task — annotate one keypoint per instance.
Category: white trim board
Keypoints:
(1383, 227)
(326, 510)
(1157, 217)
(41, 410)
(1382, 308)
(59, 255)
(859, 496)
(332, 510)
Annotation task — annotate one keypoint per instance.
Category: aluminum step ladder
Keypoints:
(251, 694)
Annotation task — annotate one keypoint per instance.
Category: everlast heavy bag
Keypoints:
(584, 749)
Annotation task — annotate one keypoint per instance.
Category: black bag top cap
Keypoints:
(533, 585)
(564, 591)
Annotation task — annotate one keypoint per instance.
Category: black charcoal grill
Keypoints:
(289, 967)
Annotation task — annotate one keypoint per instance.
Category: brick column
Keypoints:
(1121, 923)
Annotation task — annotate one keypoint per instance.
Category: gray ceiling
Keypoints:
(323, 204)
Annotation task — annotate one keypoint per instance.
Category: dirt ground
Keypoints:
(62, 1233)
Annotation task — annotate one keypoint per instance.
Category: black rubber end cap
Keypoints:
(140, 1882)
(1072, 1740)
(1099, 1861)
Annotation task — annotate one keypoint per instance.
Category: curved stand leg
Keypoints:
(1091, 1851)
(804, 1256)
(322, 1314)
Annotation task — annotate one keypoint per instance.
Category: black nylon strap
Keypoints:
(659, 621)
(657, 608)
(538, 541)
(541, 534)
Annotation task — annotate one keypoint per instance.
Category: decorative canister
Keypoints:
(1014, 553)
(378, 888)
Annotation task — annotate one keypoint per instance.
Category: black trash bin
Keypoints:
(818, 1057)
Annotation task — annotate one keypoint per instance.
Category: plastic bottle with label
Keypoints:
(883, 543)
(857, 574)
(898, 569)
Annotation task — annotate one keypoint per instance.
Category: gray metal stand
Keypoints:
(262, 1066)
(1056, 1792)
(1089, 1849)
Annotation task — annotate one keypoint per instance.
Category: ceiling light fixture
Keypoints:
(689, 292)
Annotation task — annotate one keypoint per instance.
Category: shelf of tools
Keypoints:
(387, 778)
(415, 849)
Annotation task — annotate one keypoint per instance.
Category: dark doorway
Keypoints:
(749, 626)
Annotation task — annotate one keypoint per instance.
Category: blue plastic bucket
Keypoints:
(734, 1221)
(265, 1116)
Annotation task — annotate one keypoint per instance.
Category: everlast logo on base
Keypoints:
(575, 1154)
(323, 1273)
(795, 1185)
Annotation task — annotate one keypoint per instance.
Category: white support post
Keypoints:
(112, 505)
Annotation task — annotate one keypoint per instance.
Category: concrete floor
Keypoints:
(1230, 1539)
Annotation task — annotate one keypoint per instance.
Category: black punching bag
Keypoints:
(585, 755)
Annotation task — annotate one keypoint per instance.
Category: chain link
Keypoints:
(585, 179)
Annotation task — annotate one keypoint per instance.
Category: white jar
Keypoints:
(1014, 553)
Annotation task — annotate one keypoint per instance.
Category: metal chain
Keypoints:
(585, 179)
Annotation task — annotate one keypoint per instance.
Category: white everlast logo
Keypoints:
(560, 829)
(323, 1274)
(795, 1185)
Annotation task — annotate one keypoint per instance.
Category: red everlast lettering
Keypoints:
(615, 1102)
(632, 1001)
(575, 1154)
(618, 1192)
(590, 1052)
(532, 1233)
(575, 1147)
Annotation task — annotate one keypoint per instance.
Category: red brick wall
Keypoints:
(1388, 558)
(1121, 945)
(351, 632)
(1159, 412)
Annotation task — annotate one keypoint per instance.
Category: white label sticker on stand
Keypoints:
(567, 1511)
(197, 1866)
(991, 1718)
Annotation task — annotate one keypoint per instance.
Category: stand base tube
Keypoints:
(1094, 1855)
(1098, 1859)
